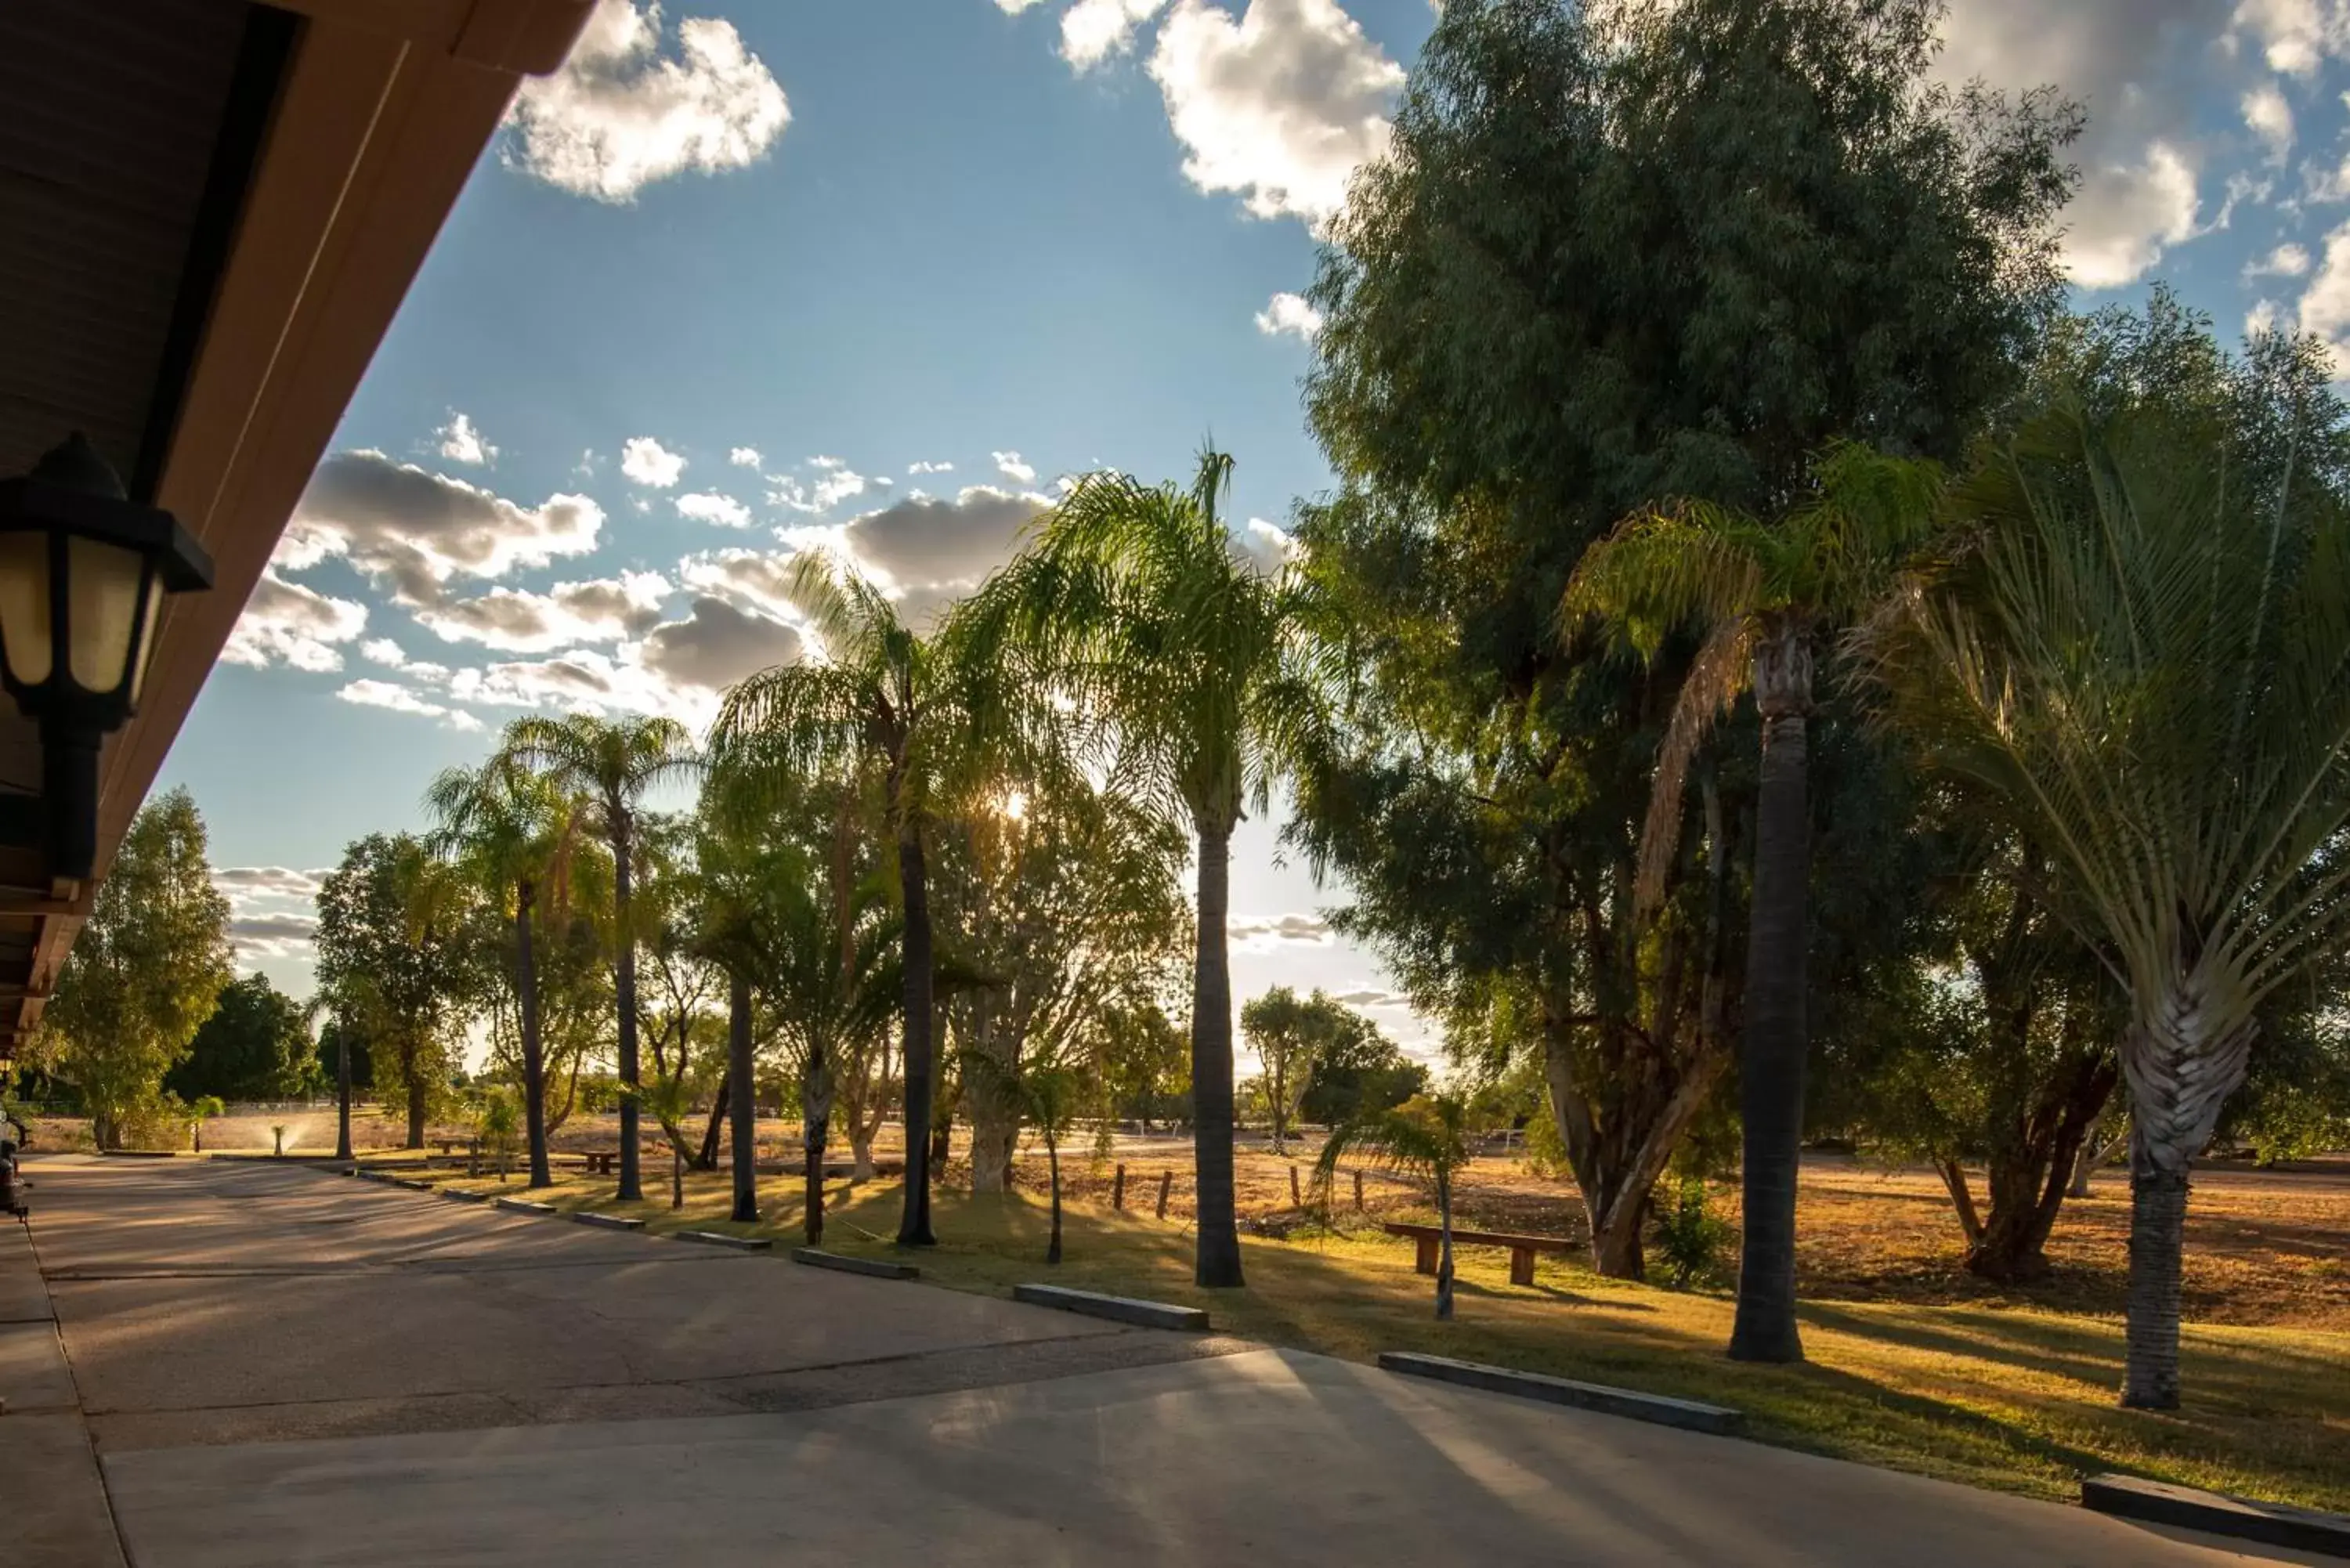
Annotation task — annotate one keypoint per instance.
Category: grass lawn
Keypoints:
(1998, 1397)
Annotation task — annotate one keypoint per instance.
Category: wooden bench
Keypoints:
(1521, 1248)
(601, 1162)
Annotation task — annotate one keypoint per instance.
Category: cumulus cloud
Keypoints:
(1269, 933)
(1368, 997)
(644, 461)
(384, 651)
(1290, 313)
(745, 457)
(2288, 260)
(2294, 35)
(835, 483)
(265, 881)
(417, 530)
(620, 114)
(1279, 107)
(2126, 217)
(604, 609)
(710, 506)
(929, 468)
(716, 645)
(286, 623)
(274, 935)
(1093, 30)
(401, 700)
(460, 442)
(2324, 308)
(935, 550)
(2271, 119)
(1265, 546)
(1008, 464)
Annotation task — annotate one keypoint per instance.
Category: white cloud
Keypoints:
(1014, 7)
(2288, 260)
(930, 551)
(644, 461)
(401, 700)
(1280, 107)
(1008, 464)
(460, 442)
(2262, 317)
(384, 651)
(606, 609)
(836, 481)
(1368, 997)
(277, 934)
(1286, 312)
(2271, 119)
(618, 116)
(266, 882)
(397, 522)
(1265, 546)
(2325, 306)
(744, 457)
(2123, 221)
(929, 468)
(2295, 36)
(1093, 30)
(286, 623)
(1270, 933)
(710, 506)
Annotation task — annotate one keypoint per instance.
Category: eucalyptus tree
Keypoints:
(1064, 903)
(899, 715)
(611, 765)
(1508, 368)
(2138, 648)
(1191, 668)
(1766, 594)
(391, 956)
(512, 831)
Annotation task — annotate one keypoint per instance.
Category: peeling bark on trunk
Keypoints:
(1774, 1042)
(1219, 1253)
(2030, 1169)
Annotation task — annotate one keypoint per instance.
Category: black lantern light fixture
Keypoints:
(83, 572)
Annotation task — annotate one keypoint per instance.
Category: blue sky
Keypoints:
(744, 275)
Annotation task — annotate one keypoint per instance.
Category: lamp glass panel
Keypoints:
(146, 654)
(24, 606)
(102, 583)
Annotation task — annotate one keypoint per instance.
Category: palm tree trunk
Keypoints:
(1771, 1064)
(533, 1058)
(816, 1121)
(1219, 1258)
(624, 967)
(914, 1227)
(1444, 1256)
(744, 1110)
(342, 1093)
(2157, 1237)
(1053, 1158)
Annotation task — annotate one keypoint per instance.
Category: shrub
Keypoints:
(1691, 1237)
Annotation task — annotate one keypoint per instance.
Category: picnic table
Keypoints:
(1521, 1248)
(599, 1161)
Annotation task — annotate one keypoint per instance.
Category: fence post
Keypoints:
(1358, 1191)
(1166, 1179)
(1117, 1188)
(1295, 1199)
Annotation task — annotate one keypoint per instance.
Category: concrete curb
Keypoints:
(877, 1268)
(1687, 1415)
(607, 1222)
(464, 1194)
(521, 1206)
(1118, 1309)
(2270, 1524)
(719, 1239)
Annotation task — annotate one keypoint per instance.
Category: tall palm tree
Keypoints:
(1765, 593)
(512, 829)
(1134, 601)
(1426, 1137)
(2143, 650)
(611, 765)
(891, 710)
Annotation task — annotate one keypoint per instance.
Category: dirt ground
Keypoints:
(2263, 1247)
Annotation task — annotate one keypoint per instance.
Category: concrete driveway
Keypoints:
(274, 1366)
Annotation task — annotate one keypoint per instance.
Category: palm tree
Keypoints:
(1764, 593)
(2141, 652)
(611, 764)
(513, 830)
(1135, 602)
(1426, 1137)
(887, 708)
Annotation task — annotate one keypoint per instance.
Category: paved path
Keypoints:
(277, 1367)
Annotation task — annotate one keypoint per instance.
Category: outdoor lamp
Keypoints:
(83, 572)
